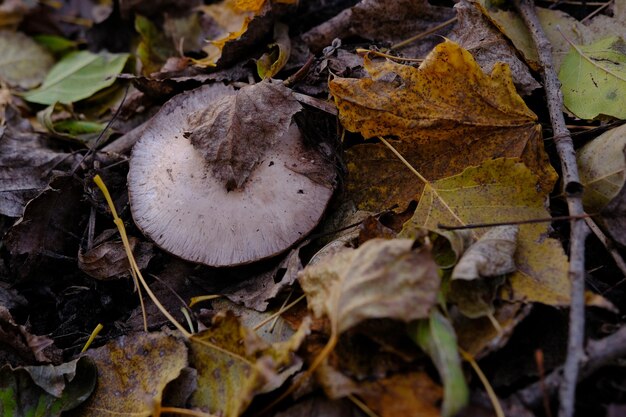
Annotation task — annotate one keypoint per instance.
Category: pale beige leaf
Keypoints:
(380, 279)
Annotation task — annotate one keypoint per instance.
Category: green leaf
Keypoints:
(45, 391)
(437, 338)
(23, 63)
(56, 45)
(81, 131)
(78, 76)
(593, 79)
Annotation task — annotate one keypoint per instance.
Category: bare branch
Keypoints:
(573, 192)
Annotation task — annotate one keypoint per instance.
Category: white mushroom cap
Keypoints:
(178, 202)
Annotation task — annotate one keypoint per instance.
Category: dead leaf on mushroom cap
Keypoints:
(235, 132)
(447, 115)
(228, 182)
(381, 279)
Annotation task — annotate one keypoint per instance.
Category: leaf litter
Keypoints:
(382, 306)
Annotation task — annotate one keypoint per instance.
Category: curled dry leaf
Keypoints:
(133, 370)
(272, 62)
(234, 365)
(109, 260)
(602, 165)
(380, 279)
(447, 115)
(491, 256)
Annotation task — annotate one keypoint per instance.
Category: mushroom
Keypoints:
(223, 177)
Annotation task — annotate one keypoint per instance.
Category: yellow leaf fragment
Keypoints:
(503, 190)
(234, 364)
(447, 115)
(231, 18)
(132, 373)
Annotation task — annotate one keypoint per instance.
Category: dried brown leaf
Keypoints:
(381, 279)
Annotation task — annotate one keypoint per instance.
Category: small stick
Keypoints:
(600, 352)
(513, 222)
(619, 261)
(424, 34)
(573, 192)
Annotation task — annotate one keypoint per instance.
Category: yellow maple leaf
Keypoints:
(447, 115)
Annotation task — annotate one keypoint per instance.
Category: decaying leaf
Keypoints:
(436, 337)
(488, 45)
(602, 166)
(447, 115)
(234, 365)
(560, 28)
(556, 24)
(227, 133)
(503, 190)
(26, 164)
(413, 394)
(593, 79)
(479, 336)
(154, 48)
(108, 260)
(380, 279)
(390, 21)
(133, 370)
(47, 233)
(45, 391)
(491, 256)
(77, 76)
(20, 346)
(23, 62)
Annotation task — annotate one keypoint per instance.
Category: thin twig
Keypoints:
(573, 190)
(424, 34)
(619, 261)
(600, 353)
(512, 222)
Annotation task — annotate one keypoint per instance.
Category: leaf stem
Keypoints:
(131, 258)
